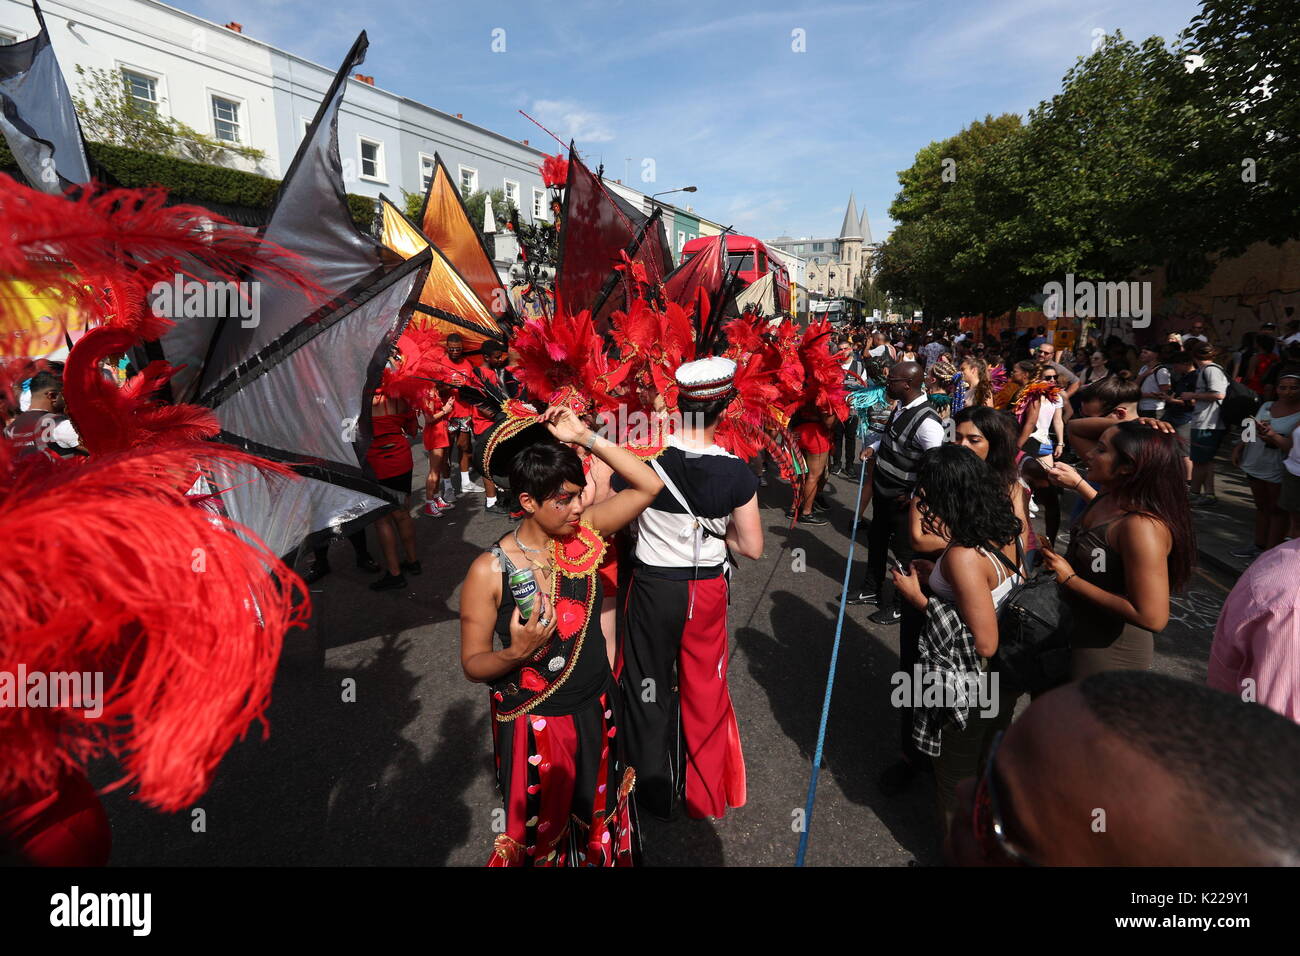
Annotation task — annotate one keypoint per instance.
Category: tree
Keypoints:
(110, 114)
(936, 212)
(1243, 63)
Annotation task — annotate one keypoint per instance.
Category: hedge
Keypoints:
(225, 191)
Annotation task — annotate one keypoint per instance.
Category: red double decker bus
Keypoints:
(750, 260)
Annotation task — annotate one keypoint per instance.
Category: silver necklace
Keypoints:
(524, 547)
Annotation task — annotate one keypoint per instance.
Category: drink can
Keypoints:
(523, 585)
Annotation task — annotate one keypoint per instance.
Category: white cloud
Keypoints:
(569, 120)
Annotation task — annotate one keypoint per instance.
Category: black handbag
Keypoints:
(1033, 639)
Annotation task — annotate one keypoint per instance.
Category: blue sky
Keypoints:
(714, 92)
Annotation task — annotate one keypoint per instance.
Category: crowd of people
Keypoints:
(598, 618)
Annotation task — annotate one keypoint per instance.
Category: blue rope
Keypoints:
(830, 680)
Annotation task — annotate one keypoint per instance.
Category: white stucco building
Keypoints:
(231, 86)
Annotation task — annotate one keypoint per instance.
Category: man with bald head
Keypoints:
(1131, 768)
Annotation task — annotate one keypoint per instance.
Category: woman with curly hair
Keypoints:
(960, 497)
(1130, 549)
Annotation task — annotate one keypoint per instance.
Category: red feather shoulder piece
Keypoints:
(1034, 391)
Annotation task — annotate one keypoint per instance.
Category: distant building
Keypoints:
(835, 265)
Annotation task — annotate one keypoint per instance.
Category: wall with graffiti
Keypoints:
(1243, 293)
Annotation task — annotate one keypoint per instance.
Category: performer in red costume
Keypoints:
(681, 729)
(555, 706)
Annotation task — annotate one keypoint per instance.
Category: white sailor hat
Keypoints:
(705, 378)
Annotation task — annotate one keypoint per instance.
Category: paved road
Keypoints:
(402, 776)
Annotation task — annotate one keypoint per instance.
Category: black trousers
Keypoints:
(889, 529)
(850, 443)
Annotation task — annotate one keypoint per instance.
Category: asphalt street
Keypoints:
(403, 774)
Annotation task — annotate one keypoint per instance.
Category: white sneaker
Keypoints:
(1033, 508)
(471, 488)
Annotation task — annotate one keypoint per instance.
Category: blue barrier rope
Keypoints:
(830, 679)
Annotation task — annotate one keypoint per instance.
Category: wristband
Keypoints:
(1073, 574)
(591, 445)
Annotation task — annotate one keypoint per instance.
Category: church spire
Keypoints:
(851, 229)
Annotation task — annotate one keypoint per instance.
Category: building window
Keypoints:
(372, 159)
(8, 39)
(819, 246)
(427, 168)
(142, 89)
(512, 193)
(225, 120)
(468, 180)
(681, 240)
(539, 203)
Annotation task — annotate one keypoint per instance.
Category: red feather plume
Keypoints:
(561, 359)
(182, 612)
(823, 374)
(652, 344)
(555, 171)
(419, 366)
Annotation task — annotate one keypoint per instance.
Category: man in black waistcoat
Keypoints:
(895, 457)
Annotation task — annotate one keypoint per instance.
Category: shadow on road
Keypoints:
(336, 783)
(791, 664)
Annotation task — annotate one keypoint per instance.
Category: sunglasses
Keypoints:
(986, 816)
(1049, 378)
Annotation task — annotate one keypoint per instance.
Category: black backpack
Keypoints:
(1033, 638)
(1238, 403)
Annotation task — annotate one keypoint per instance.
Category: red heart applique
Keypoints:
(570, 615)
(531, 680)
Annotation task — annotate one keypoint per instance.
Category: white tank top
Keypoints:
(1006, 581)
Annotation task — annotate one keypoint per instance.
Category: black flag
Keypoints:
(294, 382)
(36, 115)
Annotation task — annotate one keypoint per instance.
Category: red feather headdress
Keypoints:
(653, 343)
(181, 611)
(561, 360)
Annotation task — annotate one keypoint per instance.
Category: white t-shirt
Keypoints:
(1210, 378)
(1043, 428)
(1152, 399)
(1292, 461)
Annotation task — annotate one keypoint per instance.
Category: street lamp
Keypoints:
(683, 189)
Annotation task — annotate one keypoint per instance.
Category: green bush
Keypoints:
(190, 182)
